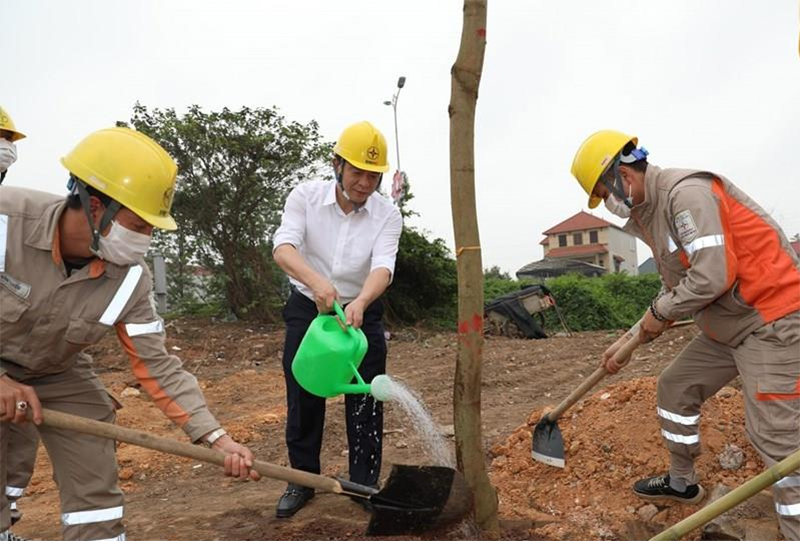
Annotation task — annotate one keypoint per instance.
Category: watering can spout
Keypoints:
(382, 388)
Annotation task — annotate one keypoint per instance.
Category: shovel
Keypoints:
(547, 445)
(414, 499)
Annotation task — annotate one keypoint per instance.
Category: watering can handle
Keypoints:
(339, 312)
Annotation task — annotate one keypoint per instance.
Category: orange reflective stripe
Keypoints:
(768, 277)
(764, 397)
(731, 261)
(56, 251)
(779, 396)
(166, 404)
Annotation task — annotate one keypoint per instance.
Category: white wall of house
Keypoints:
(622, 244)
(618, 242)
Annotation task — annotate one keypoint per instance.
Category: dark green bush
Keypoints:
(612, 301)
(425, 284)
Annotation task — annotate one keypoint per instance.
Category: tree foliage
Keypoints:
(235, 170)
(424, 285)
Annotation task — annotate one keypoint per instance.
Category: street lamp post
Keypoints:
(401, 82)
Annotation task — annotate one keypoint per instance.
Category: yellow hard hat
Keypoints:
(8, 125)
(363, 146)
(130, 168)
(594, 156)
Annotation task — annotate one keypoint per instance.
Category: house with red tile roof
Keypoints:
(585, 243)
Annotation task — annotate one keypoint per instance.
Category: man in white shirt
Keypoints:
(338, 241)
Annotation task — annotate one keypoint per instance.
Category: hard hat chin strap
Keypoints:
(339, 172)
(108, 215)
(617, 187)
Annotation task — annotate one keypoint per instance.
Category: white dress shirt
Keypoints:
(344, 248)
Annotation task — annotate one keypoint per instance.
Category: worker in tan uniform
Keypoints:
(725, 262)
(71, 270)
(24, 438)
(9, 135)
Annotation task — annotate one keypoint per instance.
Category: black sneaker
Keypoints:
(657, 488)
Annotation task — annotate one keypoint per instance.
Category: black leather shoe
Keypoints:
(293, 500)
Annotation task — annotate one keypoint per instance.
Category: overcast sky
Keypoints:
(712, 84)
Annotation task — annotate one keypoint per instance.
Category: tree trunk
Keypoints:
(466, 77)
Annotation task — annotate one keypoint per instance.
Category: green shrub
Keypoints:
(425, 283)
(612, 301)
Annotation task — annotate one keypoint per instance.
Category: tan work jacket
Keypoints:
(47, 317)
(721, 257)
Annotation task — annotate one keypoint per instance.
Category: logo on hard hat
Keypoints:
(4, 118)
(373, 153)
(167, 201)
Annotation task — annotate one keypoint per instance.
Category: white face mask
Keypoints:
(123, 246)
(617, 207)
(8, 154)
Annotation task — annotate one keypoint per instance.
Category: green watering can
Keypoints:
(328, 357)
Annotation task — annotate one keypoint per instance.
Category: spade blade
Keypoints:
(547, 444)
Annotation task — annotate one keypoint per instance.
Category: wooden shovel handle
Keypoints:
(57, 419)
(622, 353)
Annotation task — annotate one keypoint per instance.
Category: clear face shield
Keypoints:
(617, 197)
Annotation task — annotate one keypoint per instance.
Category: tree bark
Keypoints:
(466, 77)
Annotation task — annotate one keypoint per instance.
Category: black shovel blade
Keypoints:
(547, 445)
(418, 499)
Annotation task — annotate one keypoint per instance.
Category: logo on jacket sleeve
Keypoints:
(17, 287)
(685, 226)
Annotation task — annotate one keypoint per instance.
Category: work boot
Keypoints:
(657, 488)
(293, 500)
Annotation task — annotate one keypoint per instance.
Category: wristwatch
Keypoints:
(214, 436)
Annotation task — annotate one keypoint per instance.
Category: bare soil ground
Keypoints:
(612, 438)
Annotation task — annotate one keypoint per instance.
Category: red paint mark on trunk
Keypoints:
(482, 32)
(474, 324)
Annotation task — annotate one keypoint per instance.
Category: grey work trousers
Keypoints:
(84, 466)
(768, 362)
(20, 462)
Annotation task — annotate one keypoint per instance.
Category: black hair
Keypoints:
(639, 165)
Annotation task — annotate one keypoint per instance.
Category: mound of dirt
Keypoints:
(613, 439)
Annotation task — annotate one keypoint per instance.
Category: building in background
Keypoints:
(585, 244)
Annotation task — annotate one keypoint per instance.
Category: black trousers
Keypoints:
(305, 418)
